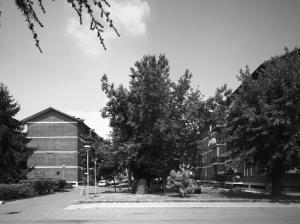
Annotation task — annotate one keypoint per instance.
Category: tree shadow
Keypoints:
(231, 194)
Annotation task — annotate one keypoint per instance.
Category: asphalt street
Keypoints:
(58, 208)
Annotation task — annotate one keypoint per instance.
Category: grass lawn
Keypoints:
(208, 194)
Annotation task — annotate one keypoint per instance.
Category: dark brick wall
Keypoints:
(53, 159)
(54, 144)
(51, 129)
(70, 174)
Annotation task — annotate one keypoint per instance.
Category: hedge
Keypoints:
(29, 188)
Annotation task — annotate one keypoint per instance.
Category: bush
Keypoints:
(45, 185)
(15, 191)
(197, 190)
(29, 188)
(58, 184)
(181, 183)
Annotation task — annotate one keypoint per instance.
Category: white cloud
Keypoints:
(84, 38)
(94, 120)
(129, 17)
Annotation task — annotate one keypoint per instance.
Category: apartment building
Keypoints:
(57, 138)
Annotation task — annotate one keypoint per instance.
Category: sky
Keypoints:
(214, 39)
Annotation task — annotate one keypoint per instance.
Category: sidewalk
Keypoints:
(182, 205)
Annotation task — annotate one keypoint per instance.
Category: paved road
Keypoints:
(52, 209)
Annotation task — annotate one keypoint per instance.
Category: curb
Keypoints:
(178, 201)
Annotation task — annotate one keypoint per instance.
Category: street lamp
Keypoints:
(63, 169)
(87, 148)
(95, 173)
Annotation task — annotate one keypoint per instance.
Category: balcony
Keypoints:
(218, 160)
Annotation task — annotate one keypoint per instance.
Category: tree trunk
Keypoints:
(129, 179)
(115, 184)
(276, 185)
(164, 183)
(142, 187)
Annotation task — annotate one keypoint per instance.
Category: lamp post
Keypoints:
(63, 169)
(87, 147)
(95, 173)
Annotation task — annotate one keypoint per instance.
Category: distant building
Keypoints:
(216, 165)
(57, 138)
(212, 156)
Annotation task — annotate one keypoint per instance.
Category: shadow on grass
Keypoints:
(259, 196)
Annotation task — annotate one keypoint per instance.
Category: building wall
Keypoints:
(57, 172)
(55, 138)
(54, 144)
(211, 157)
(53, 159)
(52, 129)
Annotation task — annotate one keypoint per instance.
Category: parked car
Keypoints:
(102, 183)
(112, 182)
(124, 180)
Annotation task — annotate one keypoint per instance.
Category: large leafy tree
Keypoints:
(13, 150)
(158, 120)
(218, 106)
(263, 122)
(96, 10)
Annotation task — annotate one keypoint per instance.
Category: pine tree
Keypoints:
(13, 150)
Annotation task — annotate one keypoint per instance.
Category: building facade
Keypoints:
(216, 165)
(57, 139)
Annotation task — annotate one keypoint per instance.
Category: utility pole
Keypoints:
(87, 147)
(63, 168)
(95, 173)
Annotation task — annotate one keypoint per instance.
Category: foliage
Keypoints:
(15, 191)
(156, 121)
(110, 160)
(45, 185)
(263, 123)
(29, 188)
(91, 8)
(218, 105)
(13, 150)
(181, 183)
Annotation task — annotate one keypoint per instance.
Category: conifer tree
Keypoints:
(13, 150)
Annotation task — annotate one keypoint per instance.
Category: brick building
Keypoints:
(212, 156)
(57, 138)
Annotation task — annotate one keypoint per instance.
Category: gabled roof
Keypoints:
(48, 110)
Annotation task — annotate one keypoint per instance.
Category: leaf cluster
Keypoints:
(263, 120)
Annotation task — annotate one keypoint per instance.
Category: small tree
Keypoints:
(181, 183)
(13, 150)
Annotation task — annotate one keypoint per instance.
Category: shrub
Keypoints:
(45, 185)
(58, 184)
(180, 183)
(15, 191)
(29, 188)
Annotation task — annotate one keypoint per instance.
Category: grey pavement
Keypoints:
(57, 208)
